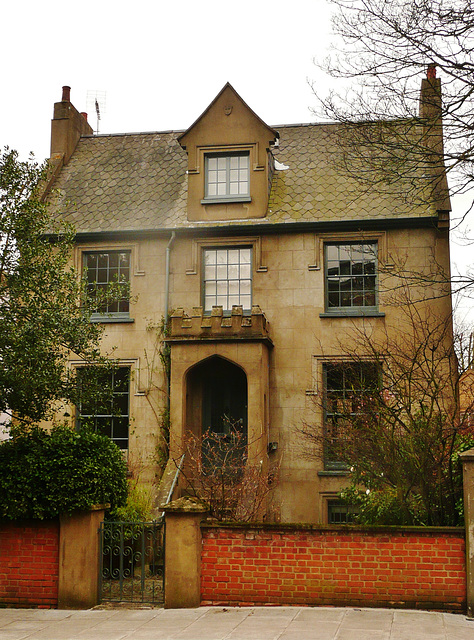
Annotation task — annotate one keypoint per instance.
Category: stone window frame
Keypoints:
(359, 237)
(121, 365)
(369, 249)
(240, 266)
(228, 196)
(135, 271)
(208, 151)
(334, 465)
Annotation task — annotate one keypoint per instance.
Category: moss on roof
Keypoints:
(132, 182)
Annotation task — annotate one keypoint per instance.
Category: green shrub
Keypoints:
(137, 508)
(43, 474)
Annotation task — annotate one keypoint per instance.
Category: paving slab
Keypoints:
(234, 623)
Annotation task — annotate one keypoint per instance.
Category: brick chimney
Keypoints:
(67, 126)
(430, 95)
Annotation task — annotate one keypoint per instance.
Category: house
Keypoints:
(259, 253)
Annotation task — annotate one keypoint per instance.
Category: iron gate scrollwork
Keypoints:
(132, 562)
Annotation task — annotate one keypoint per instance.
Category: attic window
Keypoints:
(227, 177)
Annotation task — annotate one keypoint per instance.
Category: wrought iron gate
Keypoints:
(132, 562)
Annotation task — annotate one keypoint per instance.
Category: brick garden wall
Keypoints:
(29, 564)
(340, 566)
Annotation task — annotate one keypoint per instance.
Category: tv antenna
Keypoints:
(96, 102)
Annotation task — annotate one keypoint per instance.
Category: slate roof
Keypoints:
(138, 182)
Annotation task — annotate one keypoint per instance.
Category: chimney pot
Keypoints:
(66, 94)
(431, 71)
(84, 115)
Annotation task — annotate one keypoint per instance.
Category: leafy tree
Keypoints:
(44, 474)
(42, 317)
(398, 434)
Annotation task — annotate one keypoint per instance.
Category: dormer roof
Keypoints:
(225, 99)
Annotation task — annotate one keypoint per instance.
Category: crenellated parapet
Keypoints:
(237, 326)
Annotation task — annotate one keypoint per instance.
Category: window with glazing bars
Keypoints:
(106, 408)
(227, 277)
(340, 513)
(227, 176)
(351, 276)
(107, 275)
(348, 388)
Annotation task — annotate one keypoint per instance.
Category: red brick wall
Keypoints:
(417, 567)
(29, 564)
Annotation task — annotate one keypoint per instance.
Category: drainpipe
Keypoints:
(167, 280)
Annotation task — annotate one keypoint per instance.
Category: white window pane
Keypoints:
(221, 176)
(212, 190)
(221, 189)
(233, 188)
(233, 272)
(234, 287)
(243, 175)
(210, 256)
(212, 163)
(222, 288)
(221, 273)
(245, 287)
(221, 162)
(210, 272)
(243, 188)
(245, 271)
(245, 255)
(209, 301)
(222, 301)
(221, 256)
(233, 256)
(246, 302)
(233, 300)
(234, 162)
(234, 175)
(211, 288)
(244, 162)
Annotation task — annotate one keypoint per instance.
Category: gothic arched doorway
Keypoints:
(217, 409)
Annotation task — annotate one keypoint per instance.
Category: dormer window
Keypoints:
(227, 177)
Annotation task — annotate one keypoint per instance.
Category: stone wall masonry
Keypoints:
(29, 564)
(340, 566)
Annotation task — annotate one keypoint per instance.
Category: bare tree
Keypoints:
(394, 137)
(391, 415)
(218, 472)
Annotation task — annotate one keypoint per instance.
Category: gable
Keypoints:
(228, 131)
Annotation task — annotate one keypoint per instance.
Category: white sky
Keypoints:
(160, 63)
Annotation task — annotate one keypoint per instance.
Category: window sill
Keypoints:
(334, 472)
(226, 200)
(352, 313)
(111, 319)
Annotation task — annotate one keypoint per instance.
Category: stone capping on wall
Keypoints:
(238, 326)
(339, 528)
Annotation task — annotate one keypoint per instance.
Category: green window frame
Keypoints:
(227, 177)
(107, 407)
(351, 277)
(348, 387)
(340, 512)
(107, 277)
(227, 278)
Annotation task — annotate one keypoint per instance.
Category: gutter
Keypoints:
(167, 280)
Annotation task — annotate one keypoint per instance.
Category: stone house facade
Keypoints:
(261, 255)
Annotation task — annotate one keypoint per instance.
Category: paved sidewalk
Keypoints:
(255, 623)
